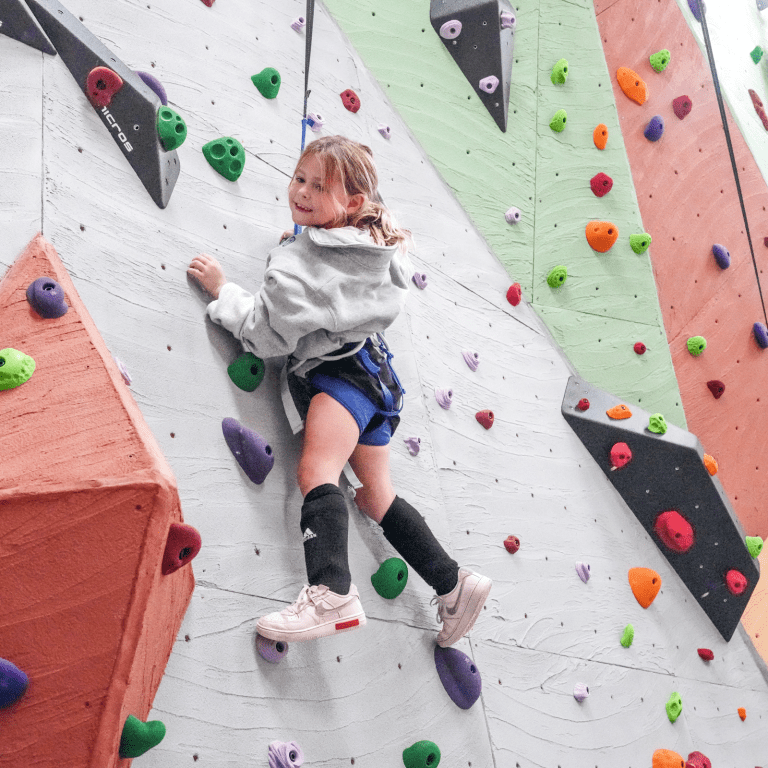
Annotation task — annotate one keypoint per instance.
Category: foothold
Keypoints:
(413, 444)
(450, 30)
(227, 156)
(666, 758)
(716, 387)
(761, 335)
(559, 72)
(674, 530)
(350, 100)
(285, 754)
(102, 84)
(391, 577)
(696, 345)
(759, 108)
(512, 544)
(138, 738)
(472, 359)
(420, 280)
(508, 20)
(489, 84)
(754, 545)
(600, 136)
(640, 348)
(722, 256)
(250, 449)
(632, 85)
(674, 706)
(756, 53)
(583, 404)
(209, 3)
(155, 86)
(660, 59)
(385, 131)
(15, 368)
(171, 128)
(247, 371)
(655, 128)
(46, 297)
(13, 683)
(272, 651)
(682, 106)
(627, 636)
(645, 584)
(444, 397)
(580, 692)
(742, 713)
(697, 8)
(315, 121)
(268, 82)
(513, 215)
(601, 184)
(514, 294)
(710, 463)
(557, 123)
(422, 754)
(181, 547)
(298, 24)
(485, 418)
(584, 571)
(620, 411)
(640, 243)
(459, 675)
(621, 455)
(705, 654)
(123, 371)
(601, 235)
(736, 582)
(557, 276)
(698, 760)
(657, 424)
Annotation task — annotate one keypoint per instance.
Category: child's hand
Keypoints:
(208, 272)
(288, 233)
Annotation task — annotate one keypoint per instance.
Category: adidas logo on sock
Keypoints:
(309, 534)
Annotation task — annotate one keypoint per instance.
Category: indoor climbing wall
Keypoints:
(562, 604)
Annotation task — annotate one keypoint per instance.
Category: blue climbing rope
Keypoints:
(310, 16)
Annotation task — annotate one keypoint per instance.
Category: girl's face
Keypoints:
(314, 204)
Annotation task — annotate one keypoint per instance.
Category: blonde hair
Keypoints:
(352, 164)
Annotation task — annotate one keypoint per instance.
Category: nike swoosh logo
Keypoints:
(322, 610)
(452, 611)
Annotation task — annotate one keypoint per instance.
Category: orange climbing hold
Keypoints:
(601, 235)
(742, 713)
(619, 412)
(710, 463)
(632, 84)
(666, 758)
(645, 583)
(600, 136)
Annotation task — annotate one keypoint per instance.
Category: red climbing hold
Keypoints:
(485, 418)
(682, 106)
(736, 582)
(209, 3)
(350, 100)
(601, 184)
(512, 544)
(716, 387)
(674, 530)
(514, 294)
(102, 84)
(181, 546)
(621, 455)
(583, 404)
(706, 654)
(640, 348)
(698, 760)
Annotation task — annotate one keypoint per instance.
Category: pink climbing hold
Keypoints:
(350, 100)
(601, 184)
(682, 106)
(181, 546)
(583, 404)
(640, 348)
(444, 397)
(705, 654)
(621, 455)
(514, 294)
(209, 3)
(736, 582)
(485, 418)
(674, 530)
(698, 760)
(511, 544)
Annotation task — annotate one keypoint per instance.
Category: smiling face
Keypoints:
(315, 202)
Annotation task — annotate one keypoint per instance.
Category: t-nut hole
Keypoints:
(186, 552)
(49, 287)
(268, 450)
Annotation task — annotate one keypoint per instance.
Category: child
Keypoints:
(327, 295)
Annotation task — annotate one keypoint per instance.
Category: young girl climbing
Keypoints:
(327, 296)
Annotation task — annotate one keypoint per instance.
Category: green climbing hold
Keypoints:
(640, 243)
(559, 72)
(390, 580)
(696, 345)
(756, 53)
(227, 156)
(268, 82)
(657, 423)
(422, 754)
(754, 545)
(674, 706)
(660, 59)
(15, 368)
(138, 738)
(557, 123)
(557, 276)
(247, 372)
(171, 128)
(628, 636)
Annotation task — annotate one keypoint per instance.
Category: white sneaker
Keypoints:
(459, 609)
(317, 612)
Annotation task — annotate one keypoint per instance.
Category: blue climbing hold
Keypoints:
(655, 128)
(697, 8)
(251, 450)
(722, 256)
(46, 297)
(13, 683)
(761, 334)
(459, 675)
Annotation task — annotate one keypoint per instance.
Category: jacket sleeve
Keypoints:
(271, 323)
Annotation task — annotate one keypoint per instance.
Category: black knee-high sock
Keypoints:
(407, 531)
(325, 525)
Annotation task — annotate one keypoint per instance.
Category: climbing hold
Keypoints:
(385, 131)
(390, 580)
(696, 345)
(756, 53)
(171, 128)
(682, 106)
(620, 411)
(674, 531)
(285, 754)
(655, 128)
(489, 84)
(514, 294)
(698, 760)
(472, 359)
(227, 156)
(102, 84)
(710, 463)
(559, 72)
(513, 215)
(15, 368)
(640, 243)
(272, 651)
(584, 571)
(697, 8)
(250, 449)
(444, 397)
(459, 675)
(601, 235)
(666, 758)
(298, 24)
(422, 754)
(268, 82)
(621, 455)
(601, 184)
(13, 683)
(705, 654)
(674, 706)
(420, 280)
(46, 297)
(645, 584)
(761, 334)
(557, 276)
(123, 370)
(627, 636)
(557, 123)
(209, 3)
(640, 348)
(657, 424)
(742, 713)
(511, 544)
(580, 692)
(414, 444)
(350, 100)
(759, 108)
(583, 404)
(632, 84)
(660, 59)
(722, 256)
(181, 546)
(761, 4)
(754, 545)
(485, 418)
(716, 387)
(138, 738)
(736, 582)
(600, 136)
(155, 86)
(508, 20)
(247, 371)
(450, 30)
(315, 121)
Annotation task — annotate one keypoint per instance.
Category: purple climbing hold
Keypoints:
(298, 24)
(124, 372)
(761, 334)
(285, 754)
(508, 20)
(315, 121)
(444, 397)
(385, 131)
(489, 84)
(414, 445)
(654, 129)
(459, 675)
(13, 683)
(697, 7)
(583, 570)
(252, 452)
(271, 650)
(46, 297)
(155, 85)
(420, 280)
(472, 359)
(722, 256)
(580, 691)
